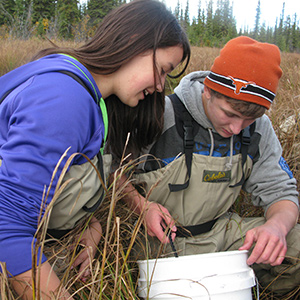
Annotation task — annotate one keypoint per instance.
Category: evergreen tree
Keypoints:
(230, 20)
(224, 24)
(262, 36)
(257, 20)
(7, 10)
(200, 24)
(197, 28)
(279, 38)
(177, 10)
(208, 36)
(270, 35)
(23, 9)
(295, 35)
(22, 21)
(68, 15)
(98, 9)
(186, 19)
(43, 9)
(217, 21)
(287, 33)
(181, 17)
(199, 15)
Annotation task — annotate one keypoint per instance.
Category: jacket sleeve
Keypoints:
(271, 180)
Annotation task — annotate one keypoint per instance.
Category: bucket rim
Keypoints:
(188, 257)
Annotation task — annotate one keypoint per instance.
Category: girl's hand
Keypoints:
(89, 240)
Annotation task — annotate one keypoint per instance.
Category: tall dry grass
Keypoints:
(14, 53)
(113, 274)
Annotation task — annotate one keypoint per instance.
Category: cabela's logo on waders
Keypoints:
(216, 176)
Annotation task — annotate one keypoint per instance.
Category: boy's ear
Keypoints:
(207, 92)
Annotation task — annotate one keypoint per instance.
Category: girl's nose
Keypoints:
(161, 83)
(159, 87)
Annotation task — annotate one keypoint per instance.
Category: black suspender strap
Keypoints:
(245, 141)
(185, 127)
(78, 79)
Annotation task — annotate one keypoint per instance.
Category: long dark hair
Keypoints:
(127, 31)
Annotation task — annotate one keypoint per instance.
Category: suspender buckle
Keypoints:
(188, 136)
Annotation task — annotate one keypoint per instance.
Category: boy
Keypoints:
(230, 145)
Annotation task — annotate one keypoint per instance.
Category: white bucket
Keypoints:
(211, 276)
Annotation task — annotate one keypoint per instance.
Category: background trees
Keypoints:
(214, 28)
(213, 25)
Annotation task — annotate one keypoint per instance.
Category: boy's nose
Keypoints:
(236, 126)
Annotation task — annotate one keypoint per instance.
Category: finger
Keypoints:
(156, 230)
(166, 233)
(271, 250)
(249, 240)
(163, 234)
(169, 223)
(173, 235)
(271, 253)
(257, 252)
(82, 256)
(275, 261)
(279, 260)
(86, 274)
(84, 270)
(78, 260)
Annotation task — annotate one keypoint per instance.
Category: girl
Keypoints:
(67, 101)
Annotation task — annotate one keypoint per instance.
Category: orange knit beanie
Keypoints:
(246, 70)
